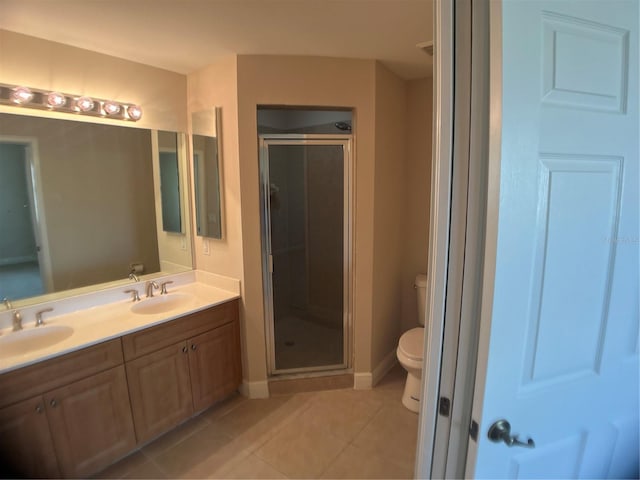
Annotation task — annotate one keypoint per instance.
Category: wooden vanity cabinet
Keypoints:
(74, 415)
(214, 363)
(91, 422)
(79, 420)
(160, 390)
(26, 446)
(200, 366)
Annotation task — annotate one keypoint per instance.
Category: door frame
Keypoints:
(464, 195)
(346, 141)
(37, 207)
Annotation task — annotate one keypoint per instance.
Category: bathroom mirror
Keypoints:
(206, 178)
(79, 206)
(170, 182)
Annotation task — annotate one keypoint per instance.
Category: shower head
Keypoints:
(343, 126)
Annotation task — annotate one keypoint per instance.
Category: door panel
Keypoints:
(563, 357)
(26, 447)
(215, 365)
(306, 245)
(91, 422)
(160, 390)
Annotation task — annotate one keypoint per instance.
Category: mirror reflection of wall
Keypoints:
(18, 245)
(206, 152)
(170, 182)
(88, 205)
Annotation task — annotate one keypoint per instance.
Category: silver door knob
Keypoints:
(500, 431)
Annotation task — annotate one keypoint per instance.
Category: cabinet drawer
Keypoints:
(160, 336)
(44, 376)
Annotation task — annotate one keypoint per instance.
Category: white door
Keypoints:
(561, 340)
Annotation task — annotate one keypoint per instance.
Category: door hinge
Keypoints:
(473, 430)
(270, 261)
(444, 406)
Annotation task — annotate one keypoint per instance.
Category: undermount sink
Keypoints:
(161, 303)
(34, 338)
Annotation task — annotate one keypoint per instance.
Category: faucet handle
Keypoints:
(7, 303)
(17, 320)
(135, 296)
(39, 320)
(163, 287)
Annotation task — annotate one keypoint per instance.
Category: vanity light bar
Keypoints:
(21, 96)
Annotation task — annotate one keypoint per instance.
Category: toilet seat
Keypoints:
(411, 344)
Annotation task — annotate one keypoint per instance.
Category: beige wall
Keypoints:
(416, 226)
(382, 214)
(317, 81)
(389, 210)
(217, 86)
(38, 63)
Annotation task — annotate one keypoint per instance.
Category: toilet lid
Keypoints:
(412, 343)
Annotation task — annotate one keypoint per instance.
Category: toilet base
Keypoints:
(411, 394)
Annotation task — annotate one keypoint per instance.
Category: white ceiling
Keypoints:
(185, 35)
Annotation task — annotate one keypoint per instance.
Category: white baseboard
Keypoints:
(388, 362)
(254, 389)
(362, 381)
(18, 260)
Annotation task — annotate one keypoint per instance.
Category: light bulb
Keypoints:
(84, 104)
(134, 112)
(56, 99)
(21, 95)
(111, 108)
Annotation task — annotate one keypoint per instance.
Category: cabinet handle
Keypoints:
(194, 347)
(185, 349)
(53, 403)
(39, 408)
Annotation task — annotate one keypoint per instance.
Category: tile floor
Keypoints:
(328, 434)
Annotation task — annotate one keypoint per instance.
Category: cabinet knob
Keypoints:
(185, 349)
(39, 408)
(194, 347)
(53, 403)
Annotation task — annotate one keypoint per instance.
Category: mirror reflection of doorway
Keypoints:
(306, 218)
(20, 274)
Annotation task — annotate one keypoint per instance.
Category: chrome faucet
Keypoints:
(17, 317)
(149, 288)
(163, 287)
(134, 277)
(39, 319)
(17, 320)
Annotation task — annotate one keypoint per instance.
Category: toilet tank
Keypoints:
(421, 296)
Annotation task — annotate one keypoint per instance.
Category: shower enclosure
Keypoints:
(306, 246)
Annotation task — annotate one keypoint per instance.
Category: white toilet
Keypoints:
(411, 348)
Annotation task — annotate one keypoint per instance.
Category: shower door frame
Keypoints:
(346, 141)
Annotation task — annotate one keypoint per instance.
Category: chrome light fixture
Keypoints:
(111, 108)
(134, 112)
(21, 96)
(84, 104)
(56, 100)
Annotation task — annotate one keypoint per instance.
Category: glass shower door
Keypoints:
(306, 225)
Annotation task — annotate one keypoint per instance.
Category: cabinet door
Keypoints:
(214, 363)
(160, 390)
(91, 422)
(26, 448)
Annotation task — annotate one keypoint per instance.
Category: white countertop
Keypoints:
(111, 320)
